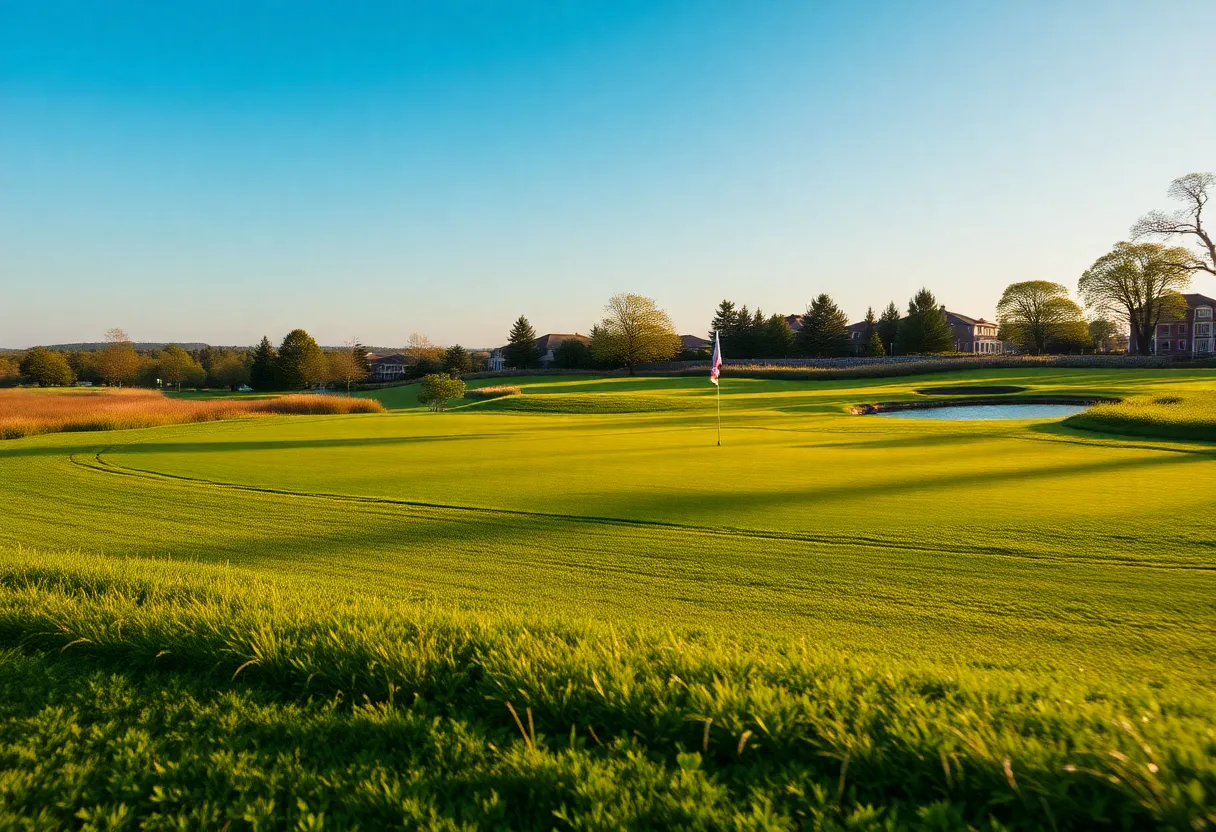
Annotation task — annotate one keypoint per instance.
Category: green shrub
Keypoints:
(438, 389)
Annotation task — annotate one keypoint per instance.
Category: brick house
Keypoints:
(974, 335)
(1191, 336)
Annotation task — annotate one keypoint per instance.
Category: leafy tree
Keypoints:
(264, 366)
(872, 345)
(572, 354)
(84, 365)
(456, 360)
(1140, 282)
(117, 363)
(438, 388)
(1193, 191)
(1034, 313)
(1070, 337)
(301, 362)
(228, 369)
(10, 368)
(924, 330)
(1102, 333)
(521, 352)
(824, 332)
(175, 366)
(888, 326)
(47, 368)
(778, 338)
(634, 330)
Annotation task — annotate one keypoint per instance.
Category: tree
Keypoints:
(888, 326)
(10, 368)
(1102, 334)
(1070, 337)
(634, 330)
(456, 360)
(1141, 283)
(872, 345)
(1036, 312)
(572, 354)
(343, 367)
(228, 369)
(724, 323)
(521, 352)
(301, 362)
(825, 330)
(175, 366)
(264, 367)
(778, 338)
(438, 388)
(117, 362)
(419, 347)
(47, 368)
(924, 330)
(1193, 191)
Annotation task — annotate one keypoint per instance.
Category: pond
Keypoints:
(977, 412)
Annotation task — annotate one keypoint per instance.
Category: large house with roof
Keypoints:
(546, 348)
(386, 368)
(1191, 335)
(974, 335)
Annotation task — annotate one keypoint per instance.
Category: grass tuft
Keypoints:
(1169, 417)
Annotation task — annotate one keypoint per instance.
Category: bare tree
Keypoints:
(1139, 282)
(345, 364)
(1193, 191)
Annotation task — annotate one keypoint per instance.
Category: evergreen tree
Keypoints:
(263, 369)
(301, 362)
(456, 360)
(724, 323)
(888, 326)
(824, 332)
(872, 343)
(924, 330)
(361, 363)
(572, 354)
(778, 338)
(521, 352)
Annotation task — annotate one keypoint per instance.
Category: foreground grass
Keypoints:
(209, 695)
(1168, 416)
(26, 412)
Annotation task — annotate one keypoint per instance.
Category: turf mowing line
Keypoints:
(107, 467)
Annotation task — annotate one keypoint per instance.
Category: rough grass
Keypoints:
(1190, 416)
(30, 412)
(160, 694)
(495, 392)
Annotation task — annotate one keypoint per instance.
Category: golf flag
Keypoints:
(715, 363)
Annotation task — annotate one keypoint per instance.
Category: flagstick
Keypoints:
(719, 386)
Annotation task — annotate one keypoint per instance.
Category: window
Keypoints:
(1181, 328)
(1182, 345)
(1163, 346)
(1203, 345)
(1203, 330)
(1163, 329)
(1203, 312)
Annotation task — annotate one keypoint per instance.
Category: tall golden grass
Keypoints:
(29, 412)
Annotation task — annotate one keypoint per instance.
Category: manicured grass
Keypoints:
(893, 593)
(1168, 416)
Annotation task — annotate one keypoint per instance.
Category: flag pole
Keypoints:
(719, 386)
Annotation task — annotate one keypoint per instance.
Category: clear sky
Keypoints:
(220, 170)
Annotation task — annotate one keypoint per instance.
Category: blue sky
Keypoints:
(218, 171)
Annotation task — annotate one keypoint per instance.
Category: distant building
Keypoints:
(1190, 336)
(386, 368)
(974, 335)
(546, 348)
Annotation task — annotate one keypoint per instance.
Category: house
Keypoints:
(974, 335)
(546, 348)
(691, 343)
(1192, 335)
(385, 368)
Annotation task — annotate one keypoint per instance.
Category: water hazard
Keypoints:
(982, 412)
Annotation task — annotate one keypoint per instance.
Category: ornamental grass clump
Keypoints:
(30, 412)
(495, 392)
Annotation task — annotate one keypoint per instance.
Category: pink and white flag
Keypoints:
(715, 363)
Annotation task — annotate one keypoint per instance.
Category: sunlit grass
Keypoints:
(31, 412)
(1174, 416)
